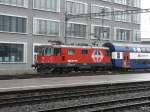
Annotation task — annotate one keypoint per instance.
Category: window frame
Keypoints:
(24, 52)
(19, 17)
(121, 3)
(83, 53)
(92, 31)
(101, 6)
(129, 17)
(25, 4)
(58, 7)
(34, 27)
(74, 52)
(115, 34)
(79, 2)
(78, 37)
(134, 33)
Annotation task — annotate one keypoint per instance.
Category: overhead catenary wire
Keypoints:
(102, 14)
(106, 13)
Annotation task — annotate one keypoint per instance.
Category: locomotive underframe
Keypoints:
(69, 67)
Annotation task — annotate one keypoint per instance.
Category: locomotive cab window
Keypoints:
(39, 50)
(44, 51)
(84, 52)
(71, 52)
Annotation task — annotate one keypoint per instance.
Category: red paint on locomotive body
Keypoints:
(72, 58)
(77, 56)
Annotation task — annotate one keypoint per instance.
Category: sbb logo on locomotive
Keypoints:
(97, 56)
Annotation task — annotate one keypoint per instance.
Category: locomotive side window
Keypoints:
(84, 52)
(71, 52)
(48, 51)
(57, 51)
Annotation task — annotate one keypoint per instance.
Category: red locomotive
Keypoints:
(66, 58)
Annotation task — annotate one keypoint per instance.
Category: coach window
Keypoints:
(84, 52)
(118, 55)
(138, 49)
(143, 49)
(57, 51)
(71, 52)
(148, 50)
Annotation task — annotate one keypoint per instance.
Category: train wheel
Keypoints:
(76, 69)
(94, 70)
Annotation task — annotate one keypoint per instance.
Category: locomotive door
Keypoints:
(126, 59)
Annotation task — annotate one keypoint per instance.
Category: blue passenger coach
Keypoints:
(129, 56)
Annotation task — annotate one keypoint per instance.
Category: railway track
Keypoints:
(108, 106)
(85, 99)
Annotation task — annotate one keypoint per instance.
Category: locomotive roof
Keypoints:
(75, 46)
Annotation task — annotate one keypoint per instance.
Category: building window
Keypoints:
(47, 5)
(11, 52)
(76, 30)
(136, 18)
(137, 3)
(101, 9)
(122, 17)
(46, 27)
(101, 33)
(122, 35)
(136, 36)
(76, 7)
(123, 2)
(13, 24)
(18, 3)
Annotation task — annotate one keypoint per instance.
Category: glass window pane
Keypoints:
(14, 2)
(20, 2)
(71, 52)
(1, 22)
(48, 5)
(76, 8)
(6, 23)
(13, 24)
(11, 52)
(46, 27)
(84, 52)
(76, 30)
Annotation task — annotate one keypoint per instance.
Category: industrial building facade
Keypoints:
(26, 24)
